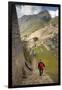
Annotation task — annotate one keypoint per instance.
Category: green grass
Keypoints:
(50, 59)
(54, 21)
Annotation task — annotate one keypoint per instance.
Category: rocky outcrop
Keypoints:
(19, 69)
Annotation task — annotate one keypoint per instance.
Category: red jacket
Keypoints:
(41, 65)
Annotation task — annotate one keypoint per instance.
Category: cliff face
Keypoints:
(18, 60)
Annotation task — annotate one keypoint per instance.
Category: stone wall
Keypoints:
(18, 61)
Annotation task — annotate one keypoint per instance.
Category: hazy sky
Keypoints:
(30, 10)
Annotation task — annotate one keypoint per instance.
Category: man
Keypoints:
(41, 67)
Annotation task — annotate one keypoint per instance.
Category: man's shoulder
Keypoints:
(41, 63)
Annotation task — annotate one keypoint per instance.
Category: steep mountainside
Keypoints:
(40, 25)
(31, 23)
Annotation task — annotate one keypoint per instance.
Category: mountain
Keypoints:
(42, 26)
(44, 15)
(47, 35)
(31, 23)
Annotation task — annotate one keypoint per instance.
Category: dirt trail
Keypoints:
(36, 79)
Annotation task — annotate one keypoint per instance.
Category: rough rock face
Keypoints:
(18, 61)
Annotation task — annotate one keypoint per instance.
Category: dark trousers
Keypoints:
(40, 72)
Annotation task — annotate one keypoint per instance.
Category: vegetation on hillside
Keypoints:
(49, 57)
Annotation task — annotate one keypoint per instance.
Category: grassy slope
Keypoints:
(54, 21)
(33, 27)
(48, 57)
(50, 60)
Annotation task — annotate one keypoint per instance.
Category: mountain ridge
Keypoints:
(34, 22)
